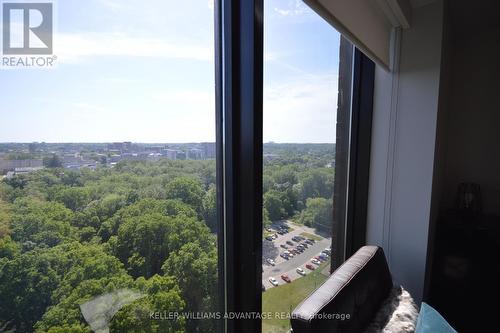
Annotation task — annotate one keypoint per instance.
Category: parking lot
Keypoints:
(272, 250)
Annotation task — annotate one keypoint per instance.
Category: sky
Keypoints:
(143, 71)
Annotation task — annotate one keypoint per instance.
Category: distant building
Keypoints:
(155, 149)
(171, 154)
(209, 149)
(181, 155)
(195, 154)
(12, 165)
(154, 156)
(114, 158)
(121, 146)
(270, 157)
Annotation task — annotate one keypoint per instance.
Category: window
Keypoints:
(242, 112)
(301, 76)
(108, 191)
(131, 191)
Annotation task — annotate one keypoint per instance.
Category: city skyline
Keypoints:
(166, 93)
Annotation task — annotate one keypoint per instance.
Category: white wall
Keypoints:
(403, 147)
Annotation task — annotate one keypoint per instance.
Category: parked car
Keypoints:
(315, 261)
(270, 262)
(269, 238)
(284, 246)
(311, 240)
(289, 243)
(273, 281)
(301, 271)
(269, 229)
(323, 257)
(290, 253)
(285, 256)
(311, 267)
(286, 278)
(305, 245)
(281, 232)
(318, 258)
(325, 253)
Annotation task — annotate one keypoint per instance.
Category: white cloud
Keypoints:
(301, 110)
(294, 8)
(75, 47)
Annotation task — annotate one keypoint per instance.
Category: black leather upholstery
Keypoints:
(356, 289)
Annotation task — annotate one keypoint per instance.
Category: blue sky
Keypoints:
(143, 71)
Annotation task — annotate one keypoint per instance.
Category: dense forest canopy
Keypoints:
(67, 236)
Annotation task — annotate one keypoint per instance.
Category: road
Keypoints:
(283, 266)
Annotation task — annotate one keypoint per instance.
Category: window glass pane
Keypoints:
(301, 71)
(107, 167)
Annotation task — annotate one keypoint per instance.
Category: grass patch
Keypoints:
(308, 235)
(285, 298)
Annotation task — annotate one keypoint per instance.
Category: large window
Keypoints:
(108, 174)
(301, 76)
(155, 178)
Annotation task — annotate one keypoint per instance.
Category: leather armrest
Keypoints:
(349, 299)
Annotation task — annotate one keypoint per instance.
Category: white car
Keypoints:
(270, 262)
(273, 281)
(290, 254)
(301, 271)
(315, 261)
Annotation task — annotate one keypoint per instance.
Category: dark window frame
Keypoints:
(239, 94)
(239, 126)
(352, 152)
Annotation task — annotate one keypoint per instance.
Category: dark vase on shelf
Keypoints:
(469, 199)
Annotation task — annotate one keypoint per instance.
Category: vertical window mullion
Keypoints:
(239, 125)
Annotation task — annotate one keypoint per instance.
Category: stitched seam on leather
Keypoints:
(340, 289)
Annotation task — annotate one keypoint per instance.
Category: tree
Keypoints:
(265, 217)
(317, 183)
(196, 271)
(8, 248)
(52, 161)
(43, 223)
(5, 217)
(210, 208)
(145, 242)
(162, 294)
(274, 205)
(32, 282)
(141, 207)
(74, 198)
(318, 214)
(188, 190)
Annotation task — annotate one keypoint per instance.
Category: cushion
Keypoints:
(397, 314)
(430, 321)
